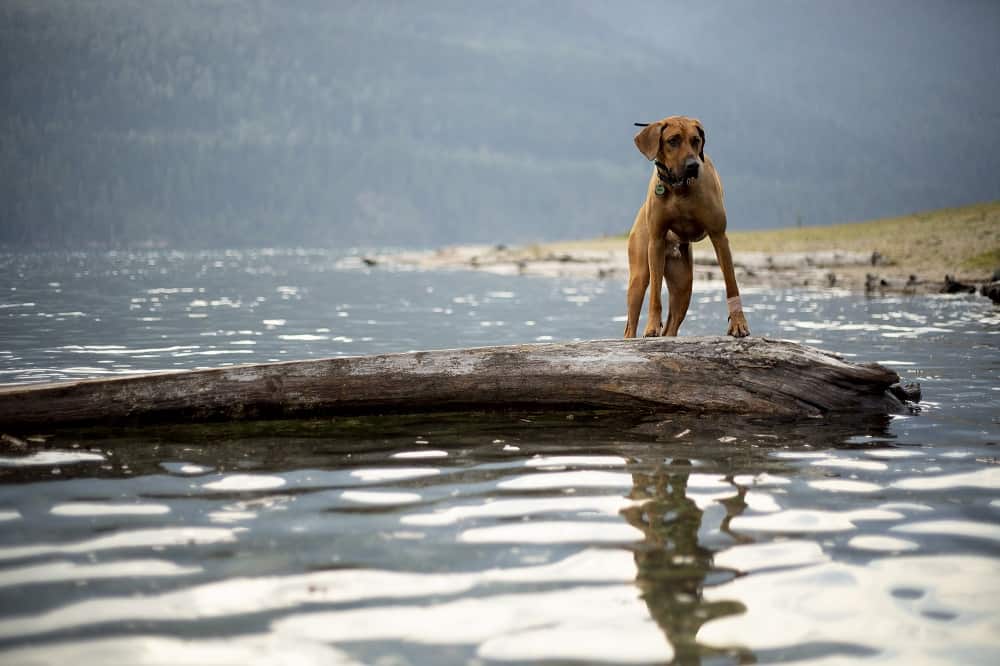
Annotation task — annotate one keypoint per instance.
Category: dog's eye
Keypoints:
(674, 141)
(694, 141)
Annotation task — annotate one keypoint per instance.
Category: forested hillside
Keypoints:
(344, 123)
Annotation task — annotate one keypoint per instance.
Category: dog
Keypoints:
(684, 203)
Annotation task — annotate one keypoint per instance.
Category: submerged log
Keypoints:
(697, 374)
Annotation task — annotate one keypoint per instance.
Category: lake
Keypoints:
(486, 538)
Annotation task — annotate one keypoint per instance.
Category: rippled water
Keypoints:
(486, 538)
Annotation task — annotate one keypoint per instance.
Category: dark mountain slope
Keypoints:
(218, 123)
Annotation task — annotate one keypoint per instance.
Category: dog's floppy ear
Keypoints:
(701, 133)
(648, 140)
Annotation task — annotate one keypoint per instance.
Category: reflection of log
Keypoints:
(708, 374)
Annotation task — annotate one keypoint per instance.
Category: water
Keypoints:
(486, 538)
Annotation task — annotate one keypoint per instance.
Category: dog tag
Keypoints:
(660, 190)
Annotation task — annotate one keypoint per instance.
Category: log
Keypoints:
(754, 376)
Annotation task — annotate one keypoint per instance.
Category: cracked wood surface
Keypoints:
(695, 374)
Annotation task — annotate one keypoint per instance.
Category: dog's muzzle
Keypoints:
(691, 167)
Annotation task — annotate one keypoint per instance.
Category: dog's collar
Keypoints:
(666, 178)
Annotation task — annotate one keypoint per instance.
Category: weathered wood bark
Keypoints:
(707, 374)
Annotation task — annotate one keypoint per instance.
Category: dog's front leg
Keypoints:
(738, 326)
(656, 255)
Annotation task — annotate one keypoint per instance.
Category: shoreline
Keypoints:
(931, 252)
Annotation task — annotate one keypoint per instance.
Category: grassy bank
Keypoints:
(964, 241)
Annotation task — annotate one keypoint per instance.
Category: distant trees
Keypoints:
(203, 122)
(260, 123)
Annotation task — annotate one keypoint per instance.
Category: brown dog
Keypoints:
(683, 205)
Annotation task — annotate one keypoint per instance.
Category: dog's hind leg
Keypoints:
(678, 269)
(638, 281)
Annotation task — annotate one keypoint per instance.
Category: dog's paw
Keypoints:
(738, 326)
(652, 330)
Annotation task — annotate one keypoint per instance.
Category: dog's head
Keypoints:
(677, 143)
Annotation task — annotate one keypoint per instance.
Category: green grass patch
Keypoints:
(985, 261)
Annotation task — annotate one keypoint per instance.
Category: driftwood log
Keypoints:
(697, 374)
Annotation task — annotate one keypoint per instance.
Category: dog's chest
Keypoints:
(687, 228)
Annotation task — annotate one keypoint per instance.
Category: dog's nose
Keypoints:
(691, 168)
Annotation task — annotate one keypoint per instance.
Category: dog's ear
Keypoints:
(701, 133)
(648, 140)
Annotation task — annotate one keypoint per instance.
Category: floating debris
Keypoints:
(12, 442)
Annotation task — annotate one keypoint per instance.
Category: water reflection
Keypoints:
(486, 537)
(906, 609)
(672, 563)
(523, 537)
(718, 587)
